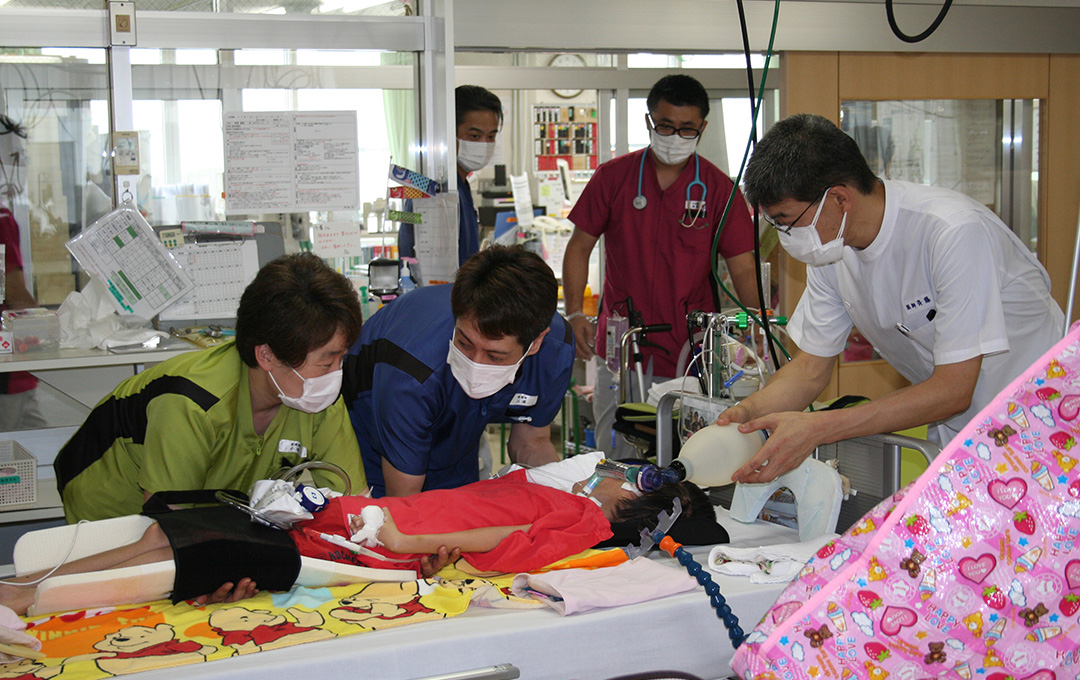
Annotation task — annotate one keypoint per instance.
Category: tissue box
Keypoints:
(33, 329)
(18, 474)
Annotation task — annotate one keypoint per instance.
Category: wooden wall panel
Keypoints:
(1061, 174)
(868, 379)
(865, 75)
(810, 85)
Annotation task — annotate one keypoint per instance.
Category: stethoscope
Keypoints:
(640, 201)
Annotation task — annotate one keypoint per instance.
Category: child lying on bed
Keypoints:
(521, 521)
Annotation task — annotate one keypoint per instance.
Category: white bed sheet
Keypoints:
(679, 632)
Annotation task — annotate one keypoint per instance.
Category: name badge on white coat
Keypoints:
(521, 399)
(290, 446)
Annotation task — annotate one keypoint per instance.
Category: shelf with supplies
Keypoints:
(565, 132)
(378, 244)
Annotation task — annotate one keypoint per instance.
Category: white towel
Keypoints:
(569, 591)
(769, 563)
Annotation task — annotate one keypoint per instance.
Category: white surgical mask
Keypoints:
(671, 149)
(804, 243)
(473, 156)
(318, 393)
(480, 380)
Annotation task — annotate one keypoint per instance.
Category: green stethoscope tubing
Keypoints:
(738, 180)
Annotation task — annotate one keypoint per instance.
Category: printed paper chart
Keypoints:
(220, 271)
(122, 250)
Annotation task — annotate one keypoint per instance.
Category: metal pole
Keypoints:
(1072, 279)
(624, 369)
(577, 420)
(503, 671)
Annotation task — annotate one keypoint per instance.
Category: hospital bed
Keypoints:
(676, 632)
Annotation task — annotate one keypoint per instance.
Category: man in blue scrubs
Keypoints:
(433, 368)
(478, 119)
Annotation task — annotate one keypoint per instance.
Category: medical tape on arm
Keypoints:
(354, 547)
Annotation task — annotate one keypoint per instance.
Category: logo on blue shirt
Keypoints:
(521, 399)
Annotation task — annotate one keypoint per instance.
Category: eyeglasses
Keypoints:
(786, 228)
(668, 130)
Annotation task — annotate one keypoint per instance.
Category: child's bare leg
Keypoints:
(152, 547)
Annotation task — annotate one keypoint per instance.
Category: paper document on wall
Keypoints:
(291, 161)
(221, 271)
(437, 237)
(336, 239)
(121, 249)
(519, 185)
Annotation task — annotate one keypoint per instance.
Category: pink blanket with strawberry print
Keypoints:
(972, 571)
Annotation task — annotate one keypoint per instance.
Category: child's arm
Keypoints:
(481, 539)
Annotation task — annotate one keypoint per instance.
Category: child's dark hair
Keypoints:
(696, 525)
(645, 508)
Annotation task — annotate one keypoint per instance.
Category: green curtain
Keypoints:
(400, 109)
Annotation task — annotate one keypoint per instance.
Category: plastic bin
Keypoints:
(34, 329)
(18, 475)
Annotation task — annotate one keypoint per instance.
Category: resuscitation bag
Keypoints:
(971, 571)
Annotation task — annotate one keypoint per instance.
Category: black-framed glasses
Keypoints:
(786, 228)
(668, 130)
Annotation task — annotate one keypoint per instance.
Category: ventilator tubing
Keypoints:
(646, 477)
(715, 452)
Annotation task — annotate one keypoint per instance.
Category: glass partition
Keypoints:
(985, 148)
(60, 98)
(179, 99)
(57, 183)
